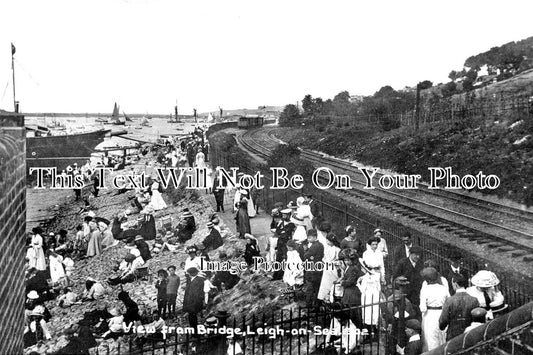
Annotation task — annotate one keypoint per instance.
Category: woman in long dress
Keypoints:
(370, 287)
(304, 211)
(331, 272)
(37, 245)
(94, 247)
(200, 160)
(57, 271)
(432, 298)
(156, 201)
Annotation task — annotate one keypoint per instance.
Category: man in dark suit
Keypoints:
(456, 311)
(193, 300)
(455, 268)
(414, 344)
(411, 267)
(219, 192)
(147, 229)
(284, 231)
(402, 251)
(313, 252)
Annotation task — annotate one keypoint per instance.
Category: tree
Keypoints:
(449, 89)
(289, 116)
(453, 75)
(341, 103)
(318, 106)
(426, 84)
(307, 105)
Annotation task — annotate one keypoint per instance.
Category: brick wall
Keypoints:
(12, 231)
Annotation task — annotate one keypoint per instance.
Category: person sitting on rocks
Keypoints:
(143, 247)
(225, 280)
(37, 327)
(132, 309)
(93, 290)
(115, 325)
(159, 244)
(133, 262)
(251, 250)
(214, 239)
(186, 227)
(157, 324)
(68, 298)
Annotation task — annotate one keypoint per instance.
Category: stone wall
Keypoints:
(12, 231)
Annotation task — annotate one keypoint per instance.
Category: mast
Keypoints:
(13, 51)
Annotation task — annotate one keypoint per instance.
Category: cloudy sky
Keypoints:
(82, 56)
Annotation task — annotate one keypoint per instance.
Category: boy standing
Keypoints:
(172, 290)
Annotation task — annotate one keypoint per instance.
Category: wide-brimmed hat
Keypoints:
(485, 278)
(33, 295)
(211, 321)
(139, 237)
(169, 234)
(37, 311)
(186, 214)
(401, 281)
(210, 224)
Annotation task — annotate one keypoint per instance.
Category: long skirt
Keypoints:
(157, 202)
(94, 247)
(251, 208)
(433, 337)
(326, 284)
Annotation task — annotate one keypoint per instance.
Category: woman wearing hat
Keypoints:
(242, 220)
(94, 247)
(57, 270)
(351, 294)
(38, 252)
(156, 201)
(186, 227)
(332, 272)
(432, 298)
(93, 290)
(304, 211)
(382, 245)
(485, 289)
(294, 273)
(37, 328)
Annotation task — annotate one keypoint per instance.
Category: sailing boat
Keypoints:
(115, 117)
(176, 118)
(126, 117)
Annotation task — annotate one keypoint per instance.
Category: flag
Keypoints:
(13, 49)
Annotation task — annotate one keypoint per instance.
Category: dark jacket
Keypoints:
(161, 287)
(227, 278)
(314, 253)
(193, 300)
(186, 229)
(413, 348)
(148, 230)
(448, 274)
(144, 249)
(456, 314)
(242, 221)
(213, 240)
(398, 254)
(352, 294)
(405, 268)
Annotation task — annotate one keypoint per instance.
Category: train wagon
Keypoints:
(250, 121)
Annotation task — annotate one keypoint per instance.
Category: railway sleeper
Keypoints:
(506, 248)
(519, 253)
(495, 245)
(483, 241)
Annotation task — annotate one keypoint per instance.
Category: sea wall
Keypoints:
(12, 229)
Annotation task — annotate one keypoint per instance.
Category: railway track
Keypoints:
(501, 228)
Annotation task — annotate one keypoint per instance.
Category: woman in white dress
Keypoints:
(432, 298)
(304, 211)
(38, 252)
(57, 271)
(373, 257)
(370, 285)
(330, 274)
(300, 234)
(156, 201)
(200, 160)
(293, 275)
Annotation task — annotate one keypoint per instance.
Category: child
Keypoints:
(414, 344)
(251, 250)
(173, 285)
(161, 286)
(68, 298)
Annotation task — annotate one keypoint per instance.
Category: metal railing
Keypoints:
(517, 290)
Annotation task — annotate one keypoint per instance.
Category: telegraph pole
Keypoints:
(417, 107)
(13, 50)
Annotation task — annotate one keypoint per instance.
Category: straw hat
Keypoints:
(286, 211)
(498, 306)
(186, 214)
(33, 295)
(138, 237)
(91, 214)
(485, 278)
(209, 224)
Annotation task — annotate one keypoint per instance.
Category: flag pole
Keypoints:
(13, 69)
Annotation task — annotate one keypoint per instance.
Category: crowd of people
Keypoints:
(364, 283)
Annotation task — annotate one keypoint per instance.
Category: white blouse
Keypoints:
(433, 295)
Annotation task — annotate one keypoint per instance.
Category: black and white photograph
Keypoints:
(266, 177)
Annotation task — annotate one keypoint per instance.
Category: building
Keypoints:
(12, 230)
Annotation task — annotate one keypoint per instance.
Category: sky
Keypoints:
(84, 55)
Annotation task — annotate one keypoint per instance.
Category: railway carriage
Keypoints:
(250, 121)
